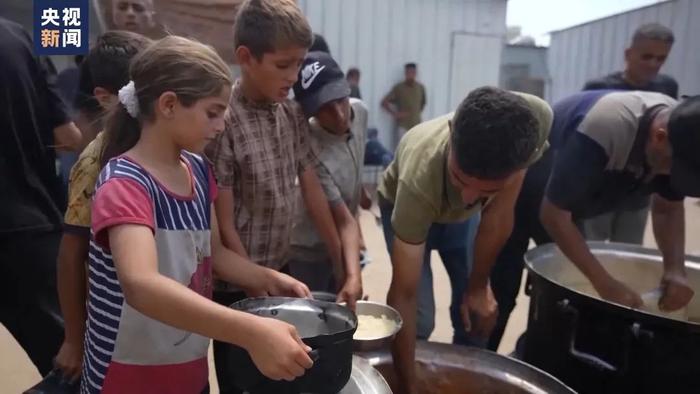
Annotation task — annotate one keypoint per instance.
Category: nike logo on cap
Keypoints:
(309, 73)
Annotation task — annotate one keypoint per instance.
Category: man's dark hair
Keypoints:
(494, 133)
(653, 31)
(410, 66)
(353, 73)
(320, 44)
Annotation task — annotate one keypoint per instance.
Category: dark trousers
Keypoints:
(317, 275)
(508, 269)
(29, 306)
(225, 375)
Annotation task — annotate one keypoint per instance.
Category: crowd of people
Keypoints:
(193, 190)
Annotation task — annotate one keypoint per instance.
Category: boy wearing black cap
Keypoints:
(337, 126)
(607, 146)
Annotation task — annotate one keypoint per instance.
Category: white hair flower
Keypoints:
(127, 96)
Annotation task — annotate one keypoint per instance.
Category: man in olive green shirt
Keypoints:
(446, 170)
(406, 100)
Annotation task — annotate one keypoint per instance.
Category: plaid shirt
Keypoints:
(259, 156)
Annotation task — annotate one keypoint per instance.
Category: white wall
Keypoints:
(475, 62)
(597, 48)
(380, 36)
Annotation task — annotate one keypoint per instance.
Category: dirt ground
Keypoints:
(17, 373)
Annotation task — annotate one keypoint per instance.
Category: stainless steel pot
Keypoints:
(451, 369)
(365, 379)
(599, 347)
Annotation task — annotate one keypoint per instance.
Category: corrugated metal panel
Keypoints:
(466, 74)
(597, 48)
(380, 36)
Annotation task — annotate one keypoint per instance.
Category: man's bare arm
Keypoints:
(668, 221)
(560, 226)
(406, 260)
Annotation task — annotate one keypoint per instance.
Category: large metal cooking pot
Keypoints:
(599, 347)
(324, 326)
(451, 369)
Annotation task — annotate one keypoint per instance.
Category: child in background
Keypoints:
(103, 72)
(263, 157)
(155, 240)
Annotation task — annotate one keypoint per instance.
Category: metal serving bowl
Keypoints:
(376, 309)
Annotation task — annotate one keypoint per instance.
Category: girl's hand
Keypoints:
(69, 360)
(351, 291)
(279, 284)
(277, 350)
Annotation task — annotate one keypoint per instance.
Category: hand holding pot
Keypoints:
(677, 293)
(480, 304)
(277, 350)
(615, 291)
(69, 360)
(350, 292)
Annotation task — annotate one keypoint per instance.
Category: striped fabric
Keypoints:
(121, 344)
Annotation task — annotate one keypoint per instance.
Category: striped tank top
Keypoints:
(126, 351)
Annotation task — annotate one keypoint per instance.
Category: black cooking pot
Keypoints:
(599, 347)
(324, 326)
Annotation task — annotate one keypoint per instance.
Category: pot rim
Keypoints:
(481, 361)
(322, 305)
